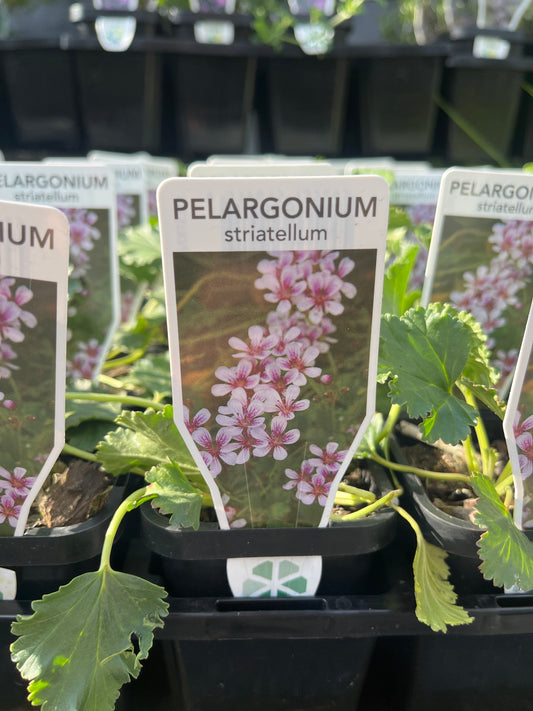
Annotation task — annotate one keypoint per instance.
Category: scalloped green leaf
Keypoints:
(505, 550)
(175, 495)
(148, 438)
(435, 597)
(77, 648)
(424, 353)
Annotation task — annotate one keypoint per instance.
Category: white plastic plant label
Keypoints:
(481, 255)
(416, 192)
(273, 292)
(34, 247)
(116, 33)
(86, 195)
(273, 289)
(241, 170)
(518, 429)
(157, 170)
(132, 211)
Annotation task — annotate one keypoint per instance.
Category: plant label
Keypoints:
(86, 195)
(518, 429)
(34, 249)
(241, 170)
(116, 33)
(132, 211)
(273, 289)
(481, 255)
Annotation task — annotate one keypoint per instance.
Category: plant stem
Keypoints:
(390, 423)
(80, 453)
(124, 360)
(363, 494)
(110, 382)
(481, 432)
(507, 472)
(504, 484)
(130, 502)
(361, 513)
(123, 399)
(410, 520)
(408, 469)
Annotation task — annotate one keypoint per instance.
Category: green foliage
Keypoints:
(505, 550)
(139, 251)
(77, 648)
(397, 297)
(175, 495)
(151, 374)
(435, 597)
(423, 353)
(144, 440)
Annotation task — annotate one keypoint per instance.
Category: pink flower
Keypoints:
(286, 404)
(521, 427)
(322, 296)
(315, 490)
(16, 483)
(302, 360)
(277, 440)
(296, 478)
(9, 510)
(194, 426)
(241, 413)
(524, 442)
(328, 457)
(284, 289)
(259, 347)
(240, 376)
(221, 449)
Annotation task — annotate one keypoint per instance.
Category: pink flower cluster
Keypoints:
(85, 360)
(83, 234)
(262, 391)
(125, 211)
(14, 487)
(12, 319)
(524, 443)
(493, 289)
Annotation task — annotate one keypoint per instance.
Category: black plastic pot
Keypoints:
(212, 102)
(456, 536)
(45, 558)
(193, 563)
(120, 98)
(259, 670)
(398, 111)
(484, 96)
(307, 103)
(47, 116)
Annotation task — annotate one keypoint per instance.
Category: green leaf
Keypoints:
(77, 648)
(152, 374)
(397, 298)
(505, 550)
(140, 246)
(435, 597)
(424, 353)
(176, 496)
(478, 368)
(82, 410)
(368, 444)
(148, 439)
(487, 396)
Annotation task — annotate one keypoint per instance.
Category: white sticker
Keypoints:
(273, 290)
(34, 249)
